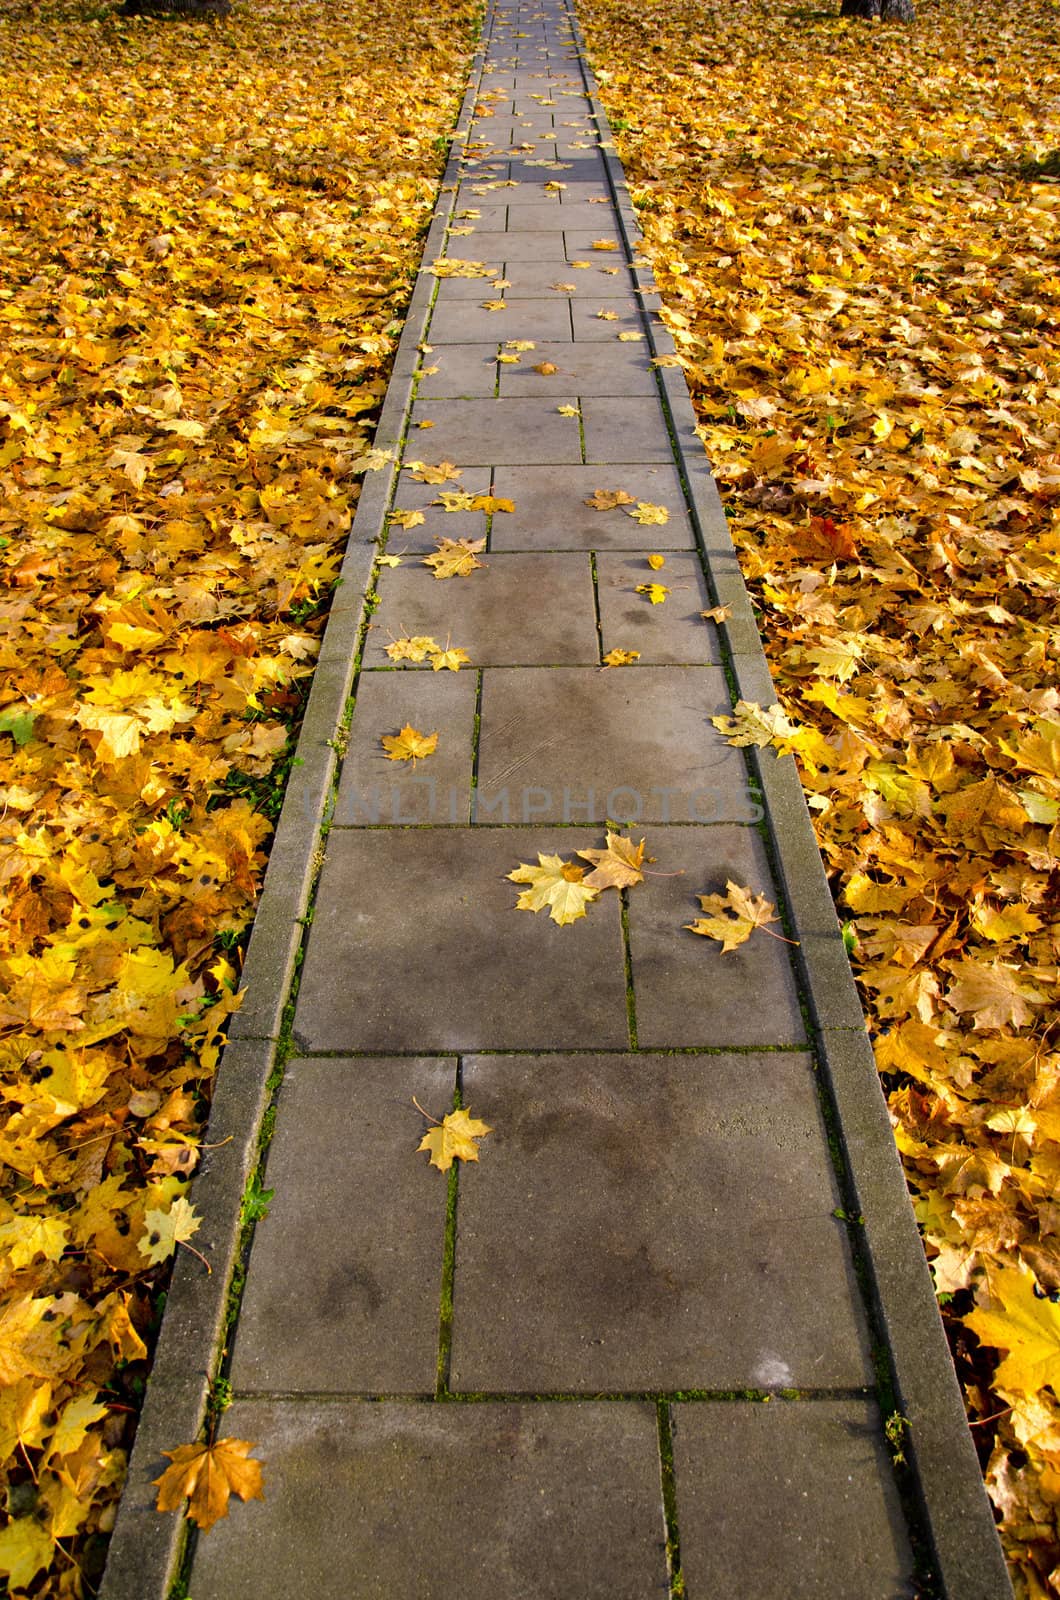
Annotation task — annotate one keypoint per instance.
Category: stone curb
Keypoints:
(956, 1510)
(146, 1548)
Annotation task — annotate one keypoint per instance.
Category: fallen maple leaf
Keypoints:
(629, 337)
(733, 916)
(494, 305)
(389, 561)
(568, 411)
(519, 344)
(409, 745)
(491, 503)
(422, 472)
(407, 519)
(546, 368)
(455, 558)
(455, 500)
(207, 1475)
(608, 499)
(617, 866)
(607, 316)
(993, 993)
(751, 725)
(555, 884)
(1027, 1326)
(647, 514)
(656, 592)
(417, 649)
(717, 614)
(454, 1139)
(621, 658)
(449, 660)
(604, 244)
(655, 561)
(167, 1229)
(453, 267)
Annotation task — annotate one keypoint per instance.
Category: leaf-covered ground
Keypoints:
(208, 235)
(855, 230)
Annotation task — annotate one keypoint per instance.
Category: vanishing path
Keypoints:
(647, 1345)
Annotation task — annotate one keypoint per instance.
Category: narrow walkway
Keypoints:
(647, 1344)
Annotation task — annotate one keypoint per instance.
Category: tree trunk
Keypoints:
(175, 8)
(886, 10)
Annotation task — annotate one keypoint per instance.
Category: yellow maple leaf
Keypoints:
(732, 916)
(407, 519)
(1028, 1328)
(568, 411)
(167, 1229)
(647, 514)
(604, 244)
(993, 993)
(416, 649)
(556, 885)
(621, 658)
(751, 725)
(629, 337)
(617, 866)
(455, 558)
(1006, 922)
(449, 660)
(409, 745)
(519, 344)
(455, 500)
(207, 1475)
(423, 472)
(77, 1416)
(607, 316)
(25, 1549)
(656, 592)
(494, 305)
(454, 1139)
(23, 1238)
(388, 561)
(454, 267)
(491, 503)
(546, 368)
(608, 499)
(717, 614)
(655, 561)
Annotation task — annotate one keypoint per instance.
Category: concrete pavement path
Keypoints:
(673, 1334)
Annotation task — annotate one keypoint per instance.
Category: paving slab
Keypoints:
(551, 511)
(437, 789)
(598, 1248)
(541, 244)
(820, 1474)
(346, 1268)
(588, 744)
(601, 316)
(381, 1501)
(671, 631)
(588, 369)
(575, 216)
(465, 322)
(624, 430)
(688, 993)
(468, 370)
(557, 629)
(498, 431)
(465, 970)
(437, 523)
(534, 279)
